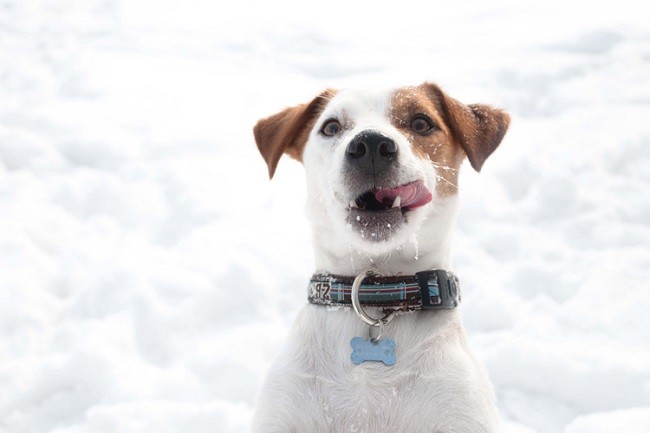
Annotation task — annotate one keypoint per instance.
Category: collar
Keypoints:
(427, 290)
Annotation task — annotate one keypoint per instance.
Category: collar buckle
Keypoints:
(439, 289)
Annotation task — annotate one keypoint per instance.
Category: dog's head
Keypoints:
(379, 164)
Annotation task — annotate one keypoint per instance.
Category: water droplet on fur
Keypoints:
(416, 245)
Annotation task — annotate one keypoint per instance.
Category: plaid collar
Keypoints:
(427, 290)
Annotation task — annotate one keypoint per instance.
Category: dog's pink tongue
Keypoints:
(412, 195)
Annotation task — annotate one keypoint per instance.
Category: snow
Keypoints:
(629, 420)
(150, 271)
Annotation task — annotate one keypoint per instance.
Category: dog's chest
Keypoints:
(434, 374)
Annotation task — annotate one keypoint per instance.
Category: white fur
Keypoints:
(436, 386)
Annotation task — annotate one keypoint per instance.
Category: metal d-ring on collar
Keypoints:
(356, 305)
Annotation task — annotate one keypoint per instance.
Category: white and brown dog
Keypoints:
(382, 175)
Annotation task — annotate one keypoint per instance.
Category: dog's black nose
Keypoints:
(371, 151)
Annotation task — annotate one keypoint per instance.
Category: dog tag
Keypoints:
(367, 350)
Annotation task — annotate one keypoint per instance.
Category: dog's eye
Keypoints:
(422, 124)
(331, 128)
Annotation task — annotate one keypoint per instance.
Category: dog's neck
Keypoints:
(429, 247)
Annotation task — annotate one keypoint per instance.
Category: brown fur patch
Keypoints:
(473, 130)
(438, 146)
(288, 131)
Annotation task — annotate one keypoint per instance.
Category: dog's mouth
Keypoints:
(377, 213)
(404, 198)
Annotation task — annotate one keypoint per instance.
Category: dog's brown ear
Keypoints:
(477, 128)
(288, 131)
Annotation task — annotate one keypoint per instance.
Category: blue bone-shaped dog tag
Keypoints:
(365, 350)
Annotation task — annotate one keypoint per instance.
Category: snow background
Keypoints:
(149, 271)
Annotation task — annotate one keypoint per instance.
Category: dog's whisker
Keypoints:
(443, 166)
(439, 178)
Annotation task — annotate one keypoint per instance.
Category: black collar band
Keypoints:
(427, 290)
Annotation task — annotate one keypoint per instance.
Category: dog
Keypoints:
(382, 173)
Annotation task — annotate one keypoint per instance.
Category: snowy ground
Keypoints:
(149, 271)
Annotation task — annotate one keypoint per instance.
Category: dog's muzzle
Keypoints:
(380, 203)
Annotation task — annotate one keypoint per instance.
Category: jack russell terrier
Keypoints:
(380, 347)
